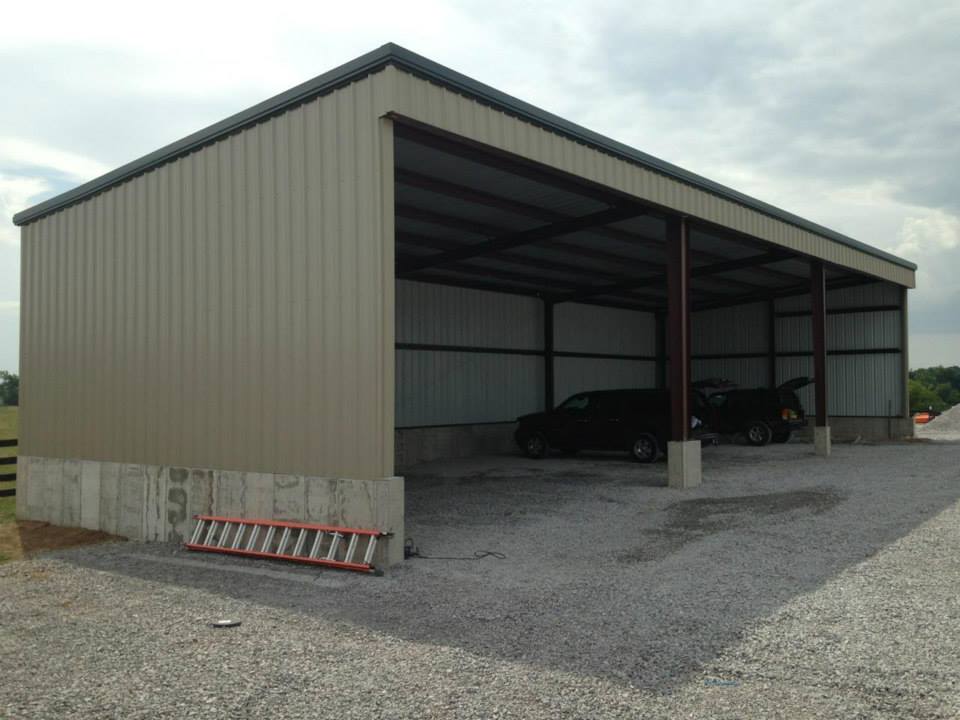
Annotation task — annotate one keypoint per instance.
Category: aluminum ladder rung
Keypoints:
(351, 548)
(298, 546)
(256, 539)
(371, 546)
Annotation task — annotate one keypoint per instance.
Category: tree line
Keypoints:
(934, 387)
(9, 388)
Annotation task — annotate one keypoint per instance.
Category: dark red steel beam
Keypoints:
(818, 307)
(519, 238)
(678, 317)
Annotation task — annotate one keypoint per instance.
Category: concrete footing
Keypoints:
(155, 503)
(684, 469)
(865, 429)
(445, 442)
(821, 440)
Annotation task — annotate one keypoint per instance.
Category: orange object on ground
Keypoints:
(336, 547)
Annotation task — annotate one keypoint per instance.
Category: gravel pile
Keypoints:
(945, 426)
(787, 586)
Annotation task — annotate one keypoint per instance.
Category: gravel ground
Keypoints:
(945, 426)
(787, 586)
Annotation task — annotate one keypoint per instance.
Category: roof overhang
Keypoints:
(421, 67)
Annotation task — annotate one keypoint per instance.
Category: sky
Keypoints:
(844, 113)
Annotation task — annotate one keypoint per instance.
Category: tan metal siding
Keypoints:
(442, 108)
(232, 309)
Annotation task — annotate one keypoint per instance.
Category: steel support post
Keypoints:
(818, 317)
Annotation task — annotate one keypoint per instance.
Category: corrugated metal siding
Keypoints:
(859, 385)
(449, 388)
(573, 375)
(590, 328)
(851, 331)
(746, 372)
(442, 315)
(739, 329)
(880, 293)
(232, 309)
(440, 107)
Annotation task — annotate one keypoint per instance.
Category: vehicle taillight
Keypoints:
(788, 414)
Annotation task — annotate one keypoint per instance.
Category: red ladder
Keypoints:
(326, 545)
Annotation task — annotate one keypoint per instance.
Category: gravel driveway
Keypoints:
(787, 586)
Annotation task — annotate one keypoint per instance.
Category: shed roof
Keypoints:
(391, 54)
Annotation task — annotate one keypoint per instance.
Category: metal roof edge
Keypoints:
(404, 59)
(339, 76)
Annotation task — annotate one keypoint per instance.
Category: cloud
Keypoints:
(24, 153)
(17, 193)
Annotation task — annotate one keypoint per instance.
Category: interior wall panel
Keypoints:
(594, 329)
(746, 372)
(443, 315)
(573, 375)
(452, 388)
(737, 329)
(859, 385)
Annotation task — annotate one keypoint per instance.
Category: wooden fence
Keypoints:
(4, 476)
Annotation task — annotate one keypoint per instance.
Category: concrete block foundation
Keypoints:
(684, 468)
(821, 440)
(865, 429)
(157, 503)
(446, 442)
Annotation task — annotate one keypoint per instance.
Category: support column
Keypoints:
(818, 308)
(683, 454)
(905, 353)
(771, 343)
(548, 375)
(660, 352)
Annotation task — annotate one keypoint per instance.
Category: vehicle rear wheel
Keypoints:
(758, 433)
(535, 446)
(644, 448)
(782, 436)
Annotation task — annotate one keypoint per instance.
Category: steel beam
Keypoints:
(678, 316)
(771, 343)
(818, 306)
(548, 375)
(517, 239)
(661, 350)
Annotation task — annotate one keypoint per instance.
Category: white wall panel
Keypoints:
(879, 293)
(449, 388)
(746, 372)
(738, 329)
(573, 375)
(441, 315)
(594, 329)
(864, 385)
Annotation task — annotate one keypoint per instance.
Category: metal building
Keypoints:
(389, 263)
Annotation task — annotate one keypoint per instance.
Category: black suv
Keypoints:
(763, 415)
(637, 421)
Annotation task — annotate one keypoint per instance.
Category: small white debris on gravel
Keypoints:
(787, 586)
(945, 426)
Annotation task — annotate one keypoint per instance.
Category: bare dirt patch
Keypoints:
(25, 538)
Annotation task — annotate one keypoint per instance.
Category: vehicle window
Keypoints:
(717, 400)
(608, 405)
(577, 402)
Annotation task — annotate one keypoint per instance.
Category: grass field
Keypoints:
(9, 425)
